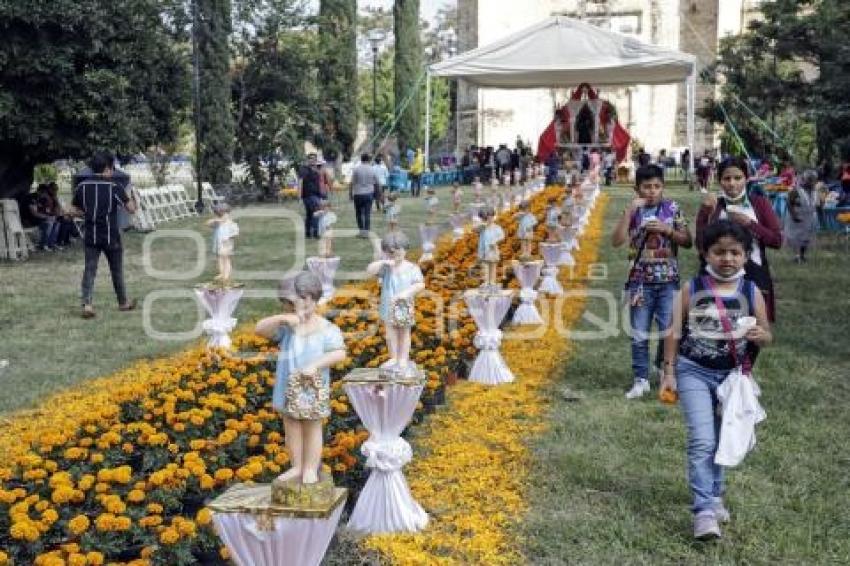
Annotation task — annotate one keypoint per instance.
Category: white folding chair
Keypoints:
(183, 197)
(209, 195)
(16, 243)
(162, 202)
(151, 205)
(167, 193)
(4, 249)
(143, 219)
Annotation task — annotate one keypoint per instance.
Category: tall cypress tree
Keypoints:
(217, 132)
(408, 68)
(338, 75)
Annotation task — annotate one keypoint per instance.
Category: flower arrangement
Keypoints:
(473, 474)
(118, 471)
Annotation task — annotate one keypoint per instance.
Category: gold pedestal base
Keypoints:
(257, 500)
(293, 493)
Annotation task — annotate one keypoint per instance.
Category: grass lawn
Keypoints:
(609, 485)
(48, 346)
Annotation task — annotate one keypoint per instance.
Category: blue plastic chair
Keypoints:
(398, 181)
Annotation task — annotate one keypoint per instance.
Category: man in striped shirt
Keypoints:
(97, 198)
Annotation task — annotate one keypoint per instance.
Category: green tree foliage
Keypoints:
(408, 72)
(433, 45)
(216, 128)
(385, 106)
(81, 75)
(441, 112)
(792, 69)
(274, 86)
(338, 75)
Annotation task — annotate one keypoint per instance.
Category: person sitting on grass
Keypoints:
(719, 320)
(64, 223)
(44, 211)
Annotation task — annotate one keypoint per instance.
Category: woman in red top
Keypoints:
(845, 185)
(750, 210)
(788, 175)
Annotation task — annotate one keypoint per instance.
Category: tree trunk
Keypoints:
(338, 75)
(16, 171)
(217, 132)
(408, 68)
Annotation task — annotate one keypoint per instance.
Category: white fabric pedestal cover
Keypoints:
(565, 258)
(457, 221)
(385, 505)
(294, 542)
(488, 310)
(324, 268)
(527, 273)
(429, 234)
(551, 255)
(219, 304)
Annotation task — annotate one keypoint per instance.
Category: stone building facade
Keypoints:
(655, 115)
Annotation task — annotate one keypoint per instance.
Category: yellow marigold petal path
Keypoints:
(472, 461)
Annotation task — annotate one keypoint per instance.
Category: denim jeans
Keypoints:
(415, 185)
(657, 305)
(363, 211)
(115, 258)
(311, 223)
(697, 386)
(48, 230)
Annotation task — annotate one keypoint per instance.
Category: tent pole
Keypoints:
(427, 118)
(691, 92)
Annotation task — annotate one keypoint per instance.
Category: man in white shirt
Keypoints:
(382, 174)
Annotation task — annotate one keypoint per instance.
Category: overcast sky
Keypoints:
(427, 8)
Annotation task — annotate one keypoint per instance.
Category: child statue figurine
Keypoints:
(392, 211)
(553, 220)
(477, 188)
(401, 281)
(489, 236)
(225, 231)
(457, 197)
(309, 346)
(431, 205)
(327, 218)
(505, 199)
(525, 229)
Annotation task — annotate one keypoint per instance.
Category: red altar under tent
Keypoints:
(561, 52)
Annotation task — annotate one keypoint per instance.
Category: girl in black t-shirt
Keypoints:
(718, 318)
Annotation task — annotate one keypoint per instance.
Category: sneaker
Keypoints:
(88, 312)
(706, 526)
(638, 390)
(721, 513)
(128, 306)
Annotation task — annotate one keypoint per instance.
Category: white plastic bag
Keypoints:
(741, 412)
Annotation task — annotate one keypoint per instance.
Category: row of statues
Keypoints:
(309, 345)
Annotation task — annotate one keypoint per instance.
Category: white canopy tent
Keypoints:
(560, 52)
